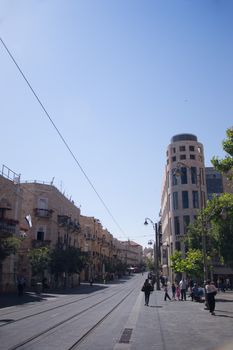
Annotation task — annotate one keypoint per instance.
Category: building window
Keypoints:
(174, 150)
(40, 236)
(193, 175)
(174, 178)
(185, 199)
(192, 156)
(43, 203)
(182, 156)
(177, 246)
(186, 221)
(184, 175)
(195, 199)
(182, 148)
(177, 225)
(175, 200)
(191, 148)
(174, 159)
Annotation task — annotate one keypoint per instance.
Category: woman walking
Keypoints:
(211, 291)
(173, 291)
(166, 295)
(146, 288)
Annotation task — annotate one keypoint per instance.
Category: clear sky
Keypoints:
(119, 78)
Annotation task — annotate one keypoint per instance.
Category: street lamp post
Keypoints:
(177, 172)
(156, 251)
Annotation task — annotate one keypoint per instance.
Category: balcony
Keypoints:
(65, 221)
(39, 244)
(7, 227)
(43, 213)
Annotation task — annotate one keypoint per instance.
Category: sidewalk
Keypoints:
(182, 325)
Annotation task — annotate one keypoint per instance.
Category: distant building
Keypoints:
(187, 184)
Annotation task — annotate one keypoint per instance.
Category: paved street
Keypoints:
(163, 325)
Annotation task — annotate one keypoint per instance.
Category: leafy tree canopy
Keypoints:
(192, 264)
(39, 259)
(70, 260)
(225, 165)
(216, 222)
(8, 246)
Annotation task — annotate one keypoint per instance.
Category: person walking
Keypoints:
(173, 291)
(166, 295)
(183, 286)
(178, 292)
(211, 291)
(20, 285)
(147, 288)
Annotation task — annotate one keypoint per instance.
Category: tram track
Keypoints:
(75, 345)
(48, 310)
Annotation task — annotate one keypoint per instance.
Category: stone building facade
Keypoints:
(42, 216)
(183, 193)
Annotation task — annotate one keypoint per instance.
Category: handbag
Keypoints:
(143, 288)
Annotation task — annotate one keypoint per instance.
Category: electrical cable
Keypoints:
(60, 135)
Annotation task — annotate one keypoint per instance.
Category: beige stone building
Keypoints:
(10, 209)
(131, 253)
(43, 217)
(183, 193)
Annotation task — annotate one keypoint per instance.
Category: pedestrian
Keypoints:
(146, 288)
(20, 285)
(166, 295)
(173, 291)
(211, 291)
(195, 294)
(178, 292)
(183, 286)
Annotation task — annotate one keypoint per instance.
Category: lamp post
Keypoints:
(156, 251)
(198, 176)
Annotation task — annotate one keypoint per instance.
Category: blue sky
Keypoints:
(119, 79)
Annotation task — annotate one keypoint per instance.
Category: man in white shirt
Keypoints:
(183, 287)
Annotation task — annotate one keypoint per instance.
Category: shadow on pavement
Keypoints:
(224, 316)
(12, 299)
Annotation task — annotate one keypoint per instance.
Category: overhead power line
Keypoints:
(60, 135)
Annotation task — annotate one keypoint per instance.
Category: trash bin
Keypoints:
(38, 287)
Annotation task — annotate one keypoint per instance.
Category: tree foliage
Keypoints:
(39, 259)
(70, 260)
(8, 246)
(216, 222)
(149, 263)
(192, 264)
(225, 165)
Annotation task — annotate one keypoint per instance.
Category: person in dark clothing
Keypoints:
(211, 291)
(166, 295)
(147, 288)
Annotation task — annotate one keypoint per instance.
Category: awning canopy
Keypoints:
(222, 270)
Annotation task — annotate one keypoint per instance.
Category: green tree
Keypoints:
(192, 264)
(225, 165)
(8, 246)
(39, 259)
(216, 220)
(149, 263)
(69, 260)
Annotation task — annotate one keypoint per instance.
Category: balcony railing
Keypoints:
(43, 213)
(38, 244)
(66, 221)
(7, 227)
